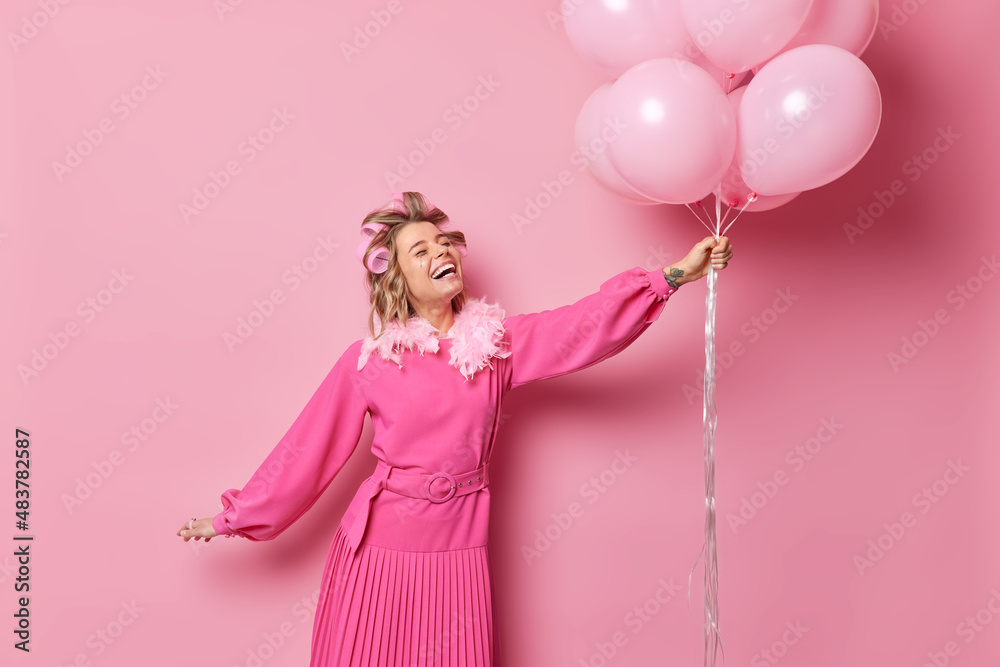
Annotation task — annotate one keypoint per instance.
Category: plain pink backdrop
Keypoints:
(336, 126)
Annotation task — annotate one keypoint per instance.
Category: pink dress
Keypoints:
(408, 579)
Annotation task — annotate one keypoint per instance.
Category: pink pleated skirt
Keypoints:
(419, 609)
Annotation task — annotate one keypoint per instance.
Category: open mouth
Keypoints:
(446, 272)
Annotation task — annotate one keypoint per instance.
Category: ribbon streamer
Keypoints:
(710, 418)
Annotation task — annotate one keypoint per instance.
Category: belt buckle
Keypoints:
(451, 491)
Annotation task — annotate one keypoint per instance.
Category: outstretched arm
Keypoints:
(598, 326)
(297, 471)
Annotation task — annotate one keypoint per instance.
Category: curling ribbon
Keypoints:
(709, 420)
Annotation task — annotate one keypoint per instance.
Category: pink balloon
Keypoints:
(733, 190)
(618, 35)
(738, 34)
(805, 119)
(593, 137)
(757, 202)
(849, 24)
(726, 80)
(679, 130)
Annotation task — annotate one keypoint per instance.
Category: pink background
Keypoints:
(160, 337)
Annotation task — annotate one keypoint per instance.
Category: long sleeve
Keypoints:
(304, 462)
(570, 338)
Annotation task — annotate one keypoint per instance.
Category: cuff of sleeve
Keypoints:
(660, 285)
(219, 524)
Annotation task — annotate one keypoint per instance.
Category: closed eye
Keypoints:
(423, 251)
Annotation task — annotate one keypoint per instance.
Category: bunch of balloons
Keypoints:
(753, 101)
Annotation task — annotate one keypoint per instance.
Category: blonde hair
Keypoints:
(387, 291)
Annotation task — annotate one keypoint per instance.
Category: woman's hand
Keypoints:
(706, 252)
(197, 529)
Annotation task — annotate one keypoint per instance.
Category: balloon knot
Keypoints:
(752, 197)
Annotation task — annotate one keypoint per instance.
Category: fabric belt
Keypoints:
(437, 487)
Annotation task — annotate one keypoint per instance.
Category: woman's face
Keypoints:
(421, 250)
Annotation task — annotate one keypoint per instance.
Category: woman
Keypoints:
(408, 580)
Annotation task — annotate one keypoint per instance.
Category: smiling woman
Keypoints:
(433, 272)
(415, 234)
(408, 579)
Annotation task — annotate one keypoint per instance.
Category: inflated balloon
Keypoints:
(728, 81)
(666, 132)
(736, 35)
(753, 202)
(679, 130)
(733, 190)
(618, 35)
(805, 119)
(593, 136)
(849, 24)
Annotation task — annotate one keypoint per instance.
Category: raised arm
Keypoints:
(304, 462)
(570, 338)
(598, 326)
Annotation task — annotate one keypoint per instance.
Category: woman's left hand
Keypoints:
(198, 528)
(706, 253)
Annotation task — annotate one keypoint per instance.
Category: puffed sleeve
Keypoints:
(598, 326)
(304, 462)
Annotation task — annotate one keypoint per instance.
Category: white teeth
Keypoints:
(441, 269)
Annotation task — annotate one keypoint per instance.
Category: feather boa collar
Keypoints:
(476, 332)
